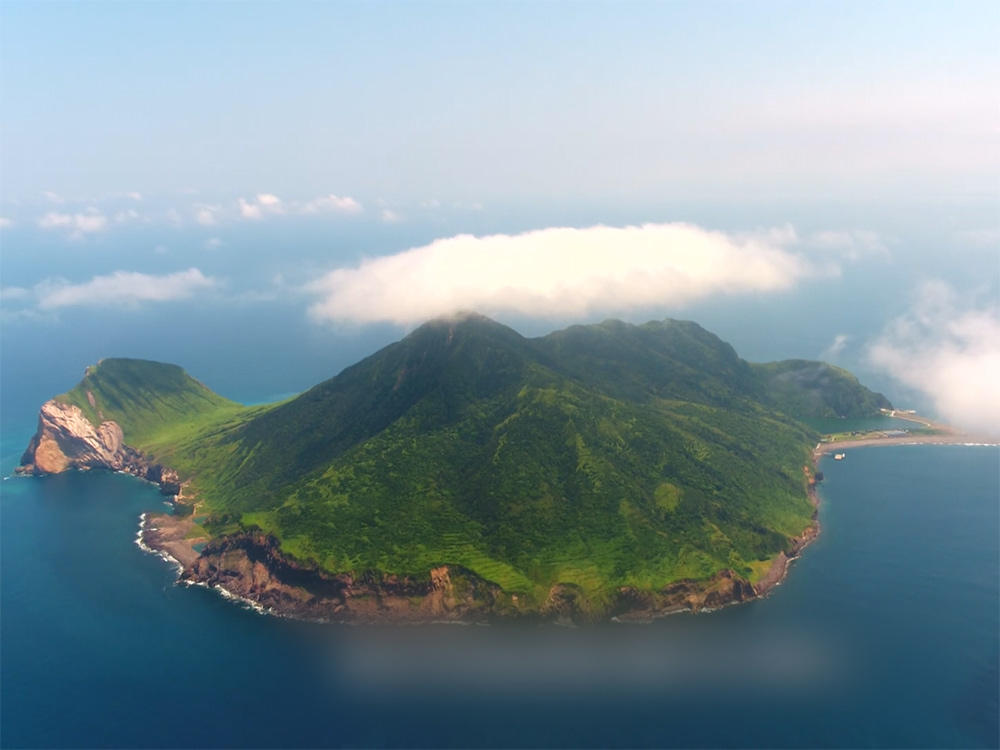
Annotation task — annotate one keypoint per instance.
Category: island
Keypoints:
(467, 473)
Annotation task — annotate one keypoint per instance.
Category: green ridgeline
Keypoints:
(817, 390)
(600, 456)
(161, 409)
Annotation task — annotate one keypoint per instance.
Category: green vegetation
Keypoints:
(145, 398)
(816, 389)
(598, 456)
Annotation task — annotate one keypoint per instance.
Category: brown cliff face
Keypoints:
(687, 595)
(251, 565)
(66, 439)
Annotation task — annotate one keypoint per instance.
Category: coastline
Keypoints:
(941, 438)
(782, 563)
(251, 570)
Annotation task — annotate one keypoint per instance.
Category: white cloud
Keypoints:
(213, 243)
(268, 203)
(122, 288)
(852, 244)
(558, 272)
(134, 195)
(949, 351)
(249, 210)
(332, 203)
(264, 203)
(77, 224)
(836, 346)
(206, 215)
(124, 216)
(54, 220)
(11, 293)
(52, 197)
(388, 216)
(6, 223)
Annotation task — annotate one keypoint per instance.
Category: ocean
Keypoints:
(884, 634)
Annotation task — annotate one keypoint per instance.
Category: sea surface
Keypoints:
(884, 634)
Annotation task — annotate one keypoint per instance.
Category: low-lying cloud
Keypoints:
(852, 244)
(122, 288)
(206, 215)
(948, 351)
(560, 272)
(331, 203)
(836, 347)
(76, 224)
(265, 204)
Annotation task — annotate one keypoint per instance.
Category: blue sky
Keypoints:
(806, 179)
(499, 102)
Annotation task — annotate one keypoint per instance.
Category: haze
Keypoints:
(202, 182)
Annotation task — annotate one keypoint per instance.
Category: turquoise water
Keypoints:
(885, 634)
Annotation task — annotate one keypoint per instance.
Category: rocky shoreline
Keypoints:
(65, 439)
(249, 566)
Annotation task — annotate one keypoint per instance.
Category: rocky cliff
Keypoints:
(66, 439)
(251, 566)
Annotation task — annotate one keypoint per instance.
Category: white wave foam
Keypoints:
(162, 554)
(257, 607)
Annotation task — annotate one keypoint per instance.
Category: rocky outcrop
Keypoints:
(66, 439)
(686, 595)
(250, 565)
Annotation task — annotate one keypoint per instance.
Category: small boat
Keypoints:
(838, 456)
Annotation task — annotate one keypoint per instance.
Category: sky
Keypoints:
(315, 179)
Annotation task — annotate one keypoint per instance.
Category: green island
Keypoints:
(469, 473)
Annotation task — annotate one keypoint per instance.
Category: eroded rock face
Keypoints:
(722, 589)
(66, 439)
(252, 566)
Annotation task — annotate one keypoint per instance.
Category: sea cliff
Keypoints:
(66, 439)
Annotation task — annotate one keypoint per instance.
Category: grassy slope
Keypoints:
(143, 397)
(530, 462)
(601, 456)
(161, 409)
(816, 389)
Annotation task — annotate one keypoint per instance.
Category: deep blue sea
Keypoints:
(885, 634)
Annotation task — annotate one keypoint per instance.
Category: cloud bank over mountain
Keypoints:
(561, 271)
(950, 351)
